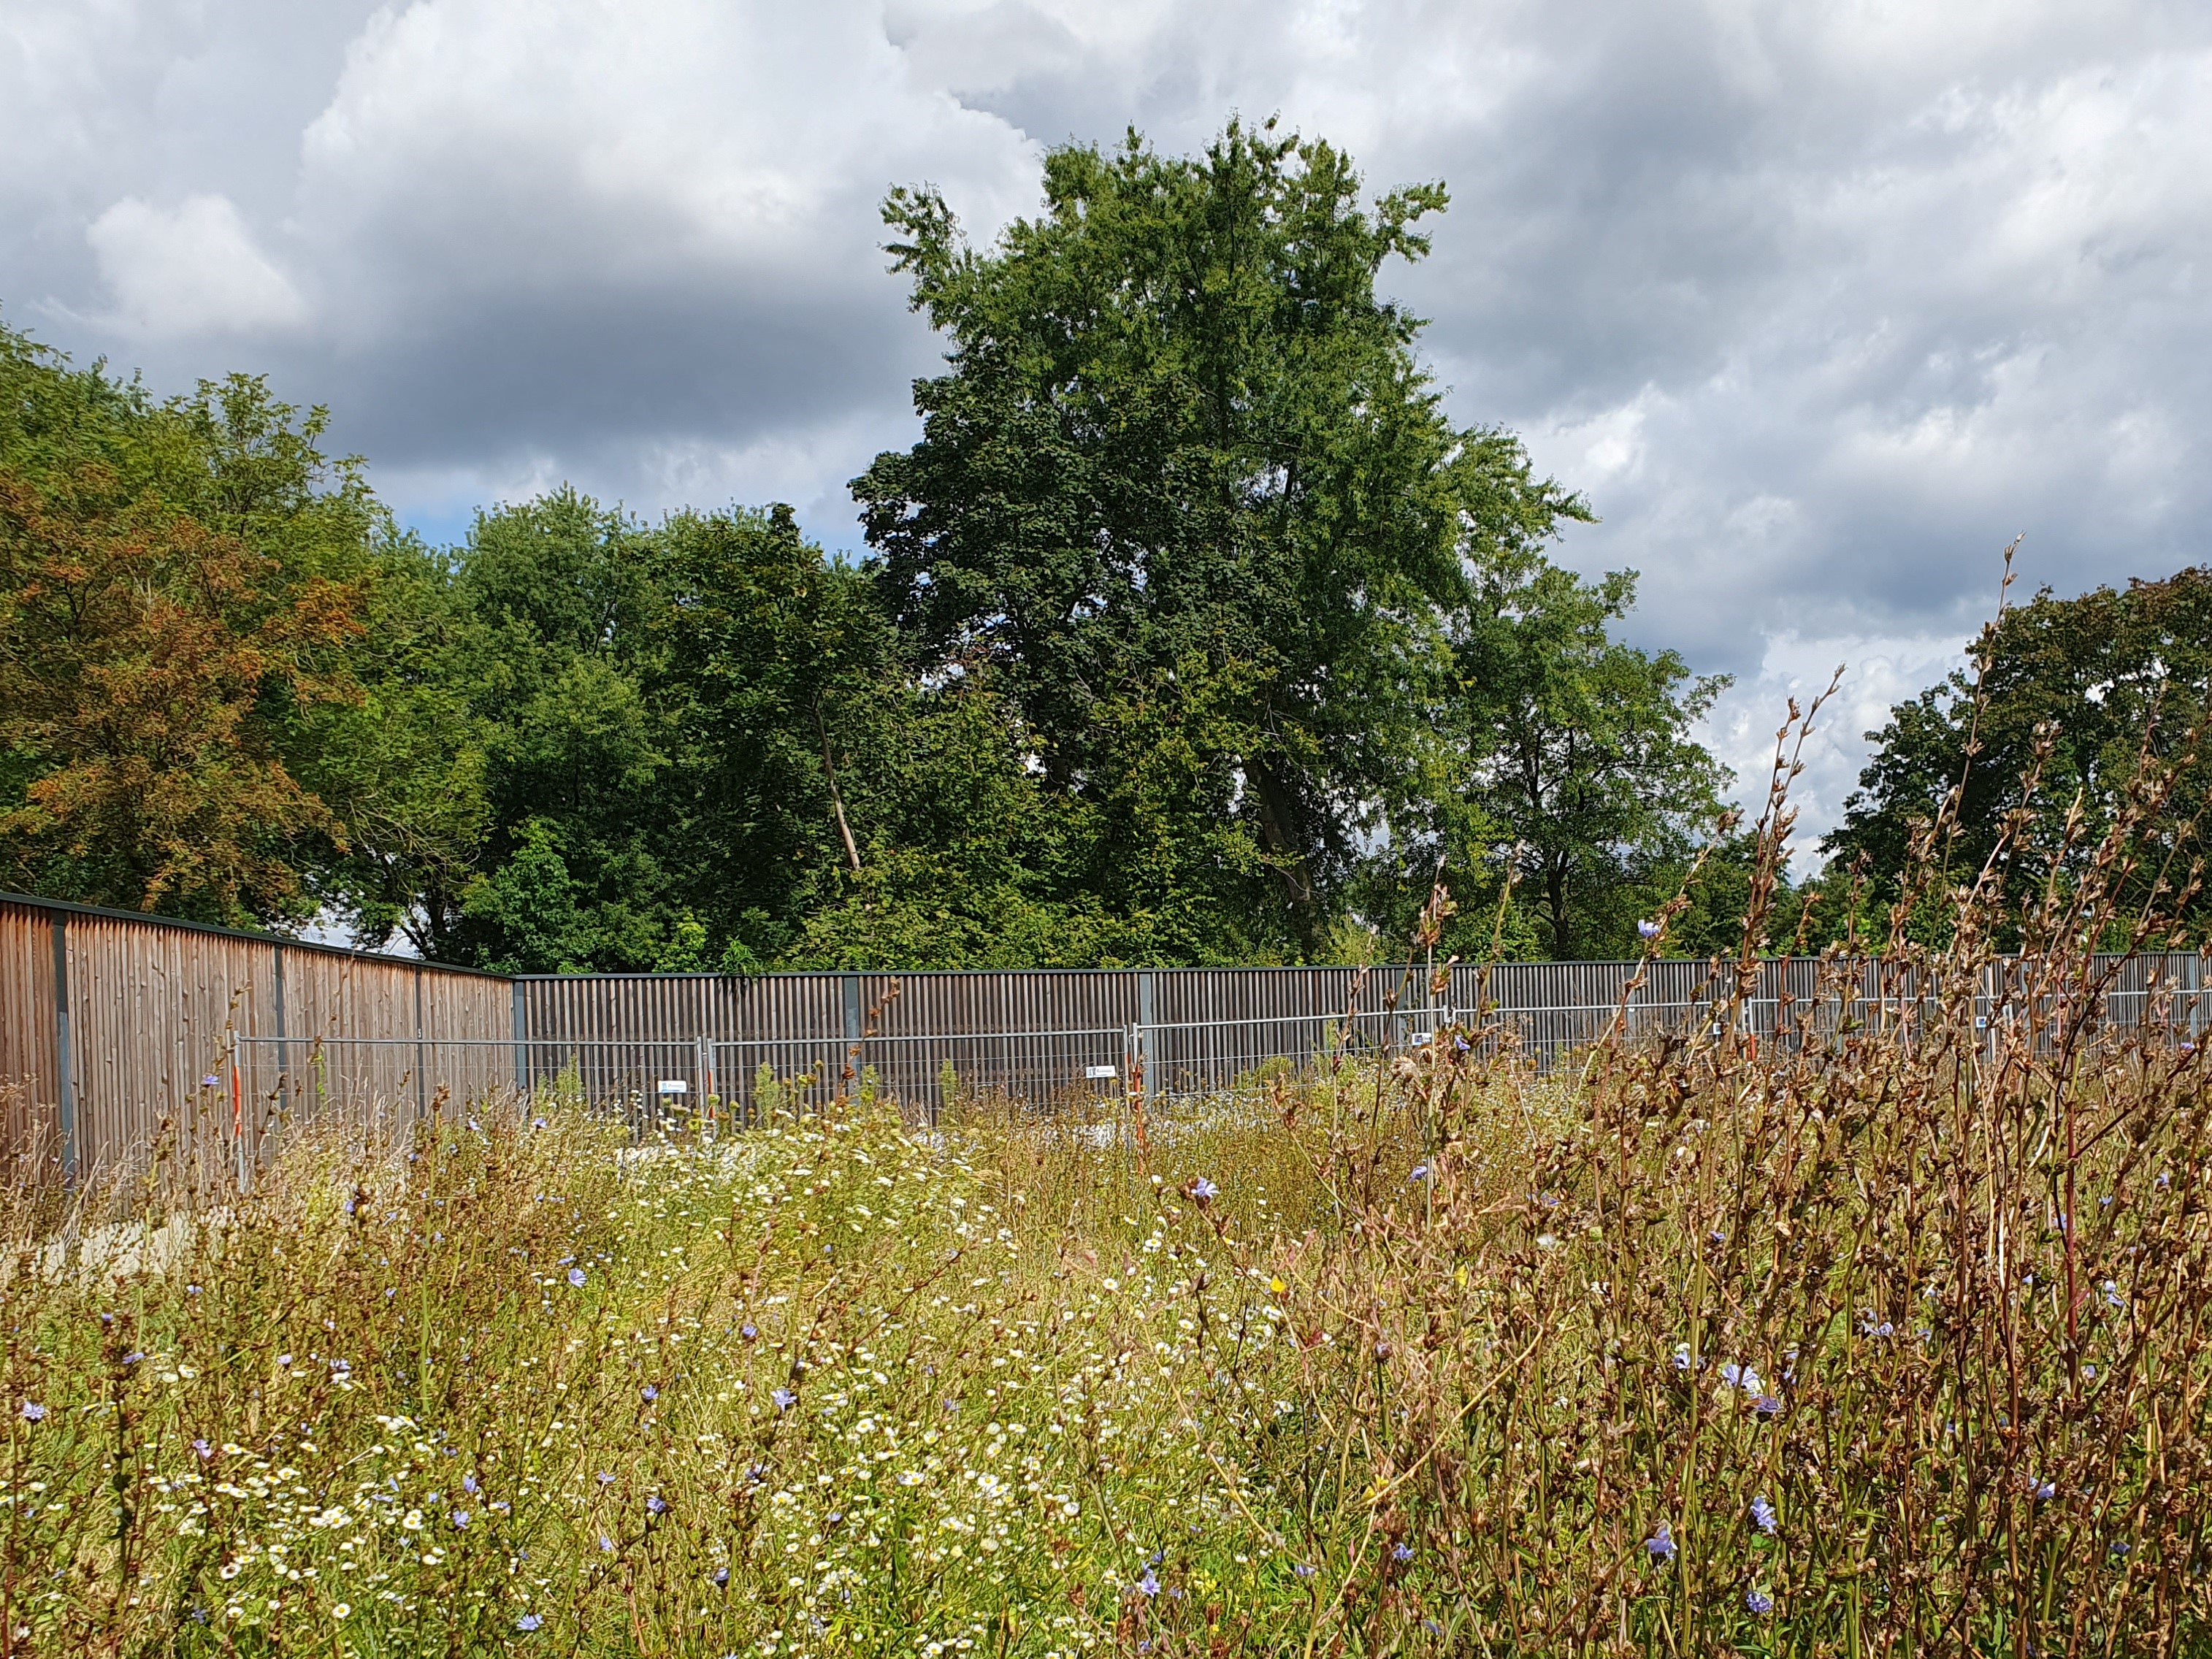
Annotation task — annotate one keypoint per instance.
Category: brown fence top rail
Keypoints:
(253, 935)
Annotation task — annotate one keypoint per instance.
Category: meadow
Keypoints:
(1882, 1333)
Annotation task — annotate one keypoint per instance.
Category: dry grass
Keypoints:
(1874, 1339)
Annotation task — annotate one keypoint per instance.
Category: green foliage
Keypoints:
(213, 708)
(1188, 491)
(1196, 634)
(2079, 696)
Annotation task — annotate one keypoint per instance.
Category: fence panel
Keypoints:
(231, 1039)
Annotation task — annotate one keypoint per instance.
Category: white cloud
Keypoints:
(1878, 673)
(189, 270)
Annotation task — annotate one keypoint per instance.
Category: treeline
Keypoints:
(1191, 630)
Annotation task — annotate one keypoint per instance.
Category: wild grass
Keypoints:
(1883, 1334)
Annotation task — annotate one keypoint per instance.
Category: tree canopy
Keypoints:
(2075, 698)
(1190, 630)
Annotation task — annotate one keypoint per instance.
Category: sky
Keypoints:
(1818, 305)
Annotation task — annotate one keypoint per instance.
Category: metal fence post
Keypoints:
(522, 1079)
(64, 1067)
(422, 1105)
(283, 1047)
(1145, 1034)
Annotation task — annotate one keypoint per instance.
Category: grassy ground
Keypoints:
(1699, 1349)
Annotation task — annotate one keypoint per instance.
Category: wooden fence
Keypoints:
(115, 1028)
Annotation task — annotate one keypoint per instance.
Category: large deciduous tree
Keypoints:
(1188, 493)
(188, 593)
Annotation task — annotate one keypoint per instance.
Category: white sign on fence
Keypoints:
(674, 1086)
(1099, 1073)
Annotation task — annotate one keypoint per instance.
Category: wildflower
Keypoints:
(211, 1081)
(749, 1330)
(785, 1399)
(2112, 1296)
(537, 1123)
(721, 1578)
(133, 1358)
(657, 1505)
(469, 1485)
(2045, 1490)
(1401, 1552)
(1767, 1406)
(1763, 1516)
(1204, 1191)
(1659, 1546)
(342, 1611)
(1742, 1377)
(1420, 1173)
(283, 1362)
(1757, 1601)
(460, 1518)
(605, 1479)
(650, 1393)
(1681, 1356)
(606, 1544)
(1647, 929)
(576, 1277)
(192, 1290)
(1149, 1584)
(1302, 1570)
(529, 1621)
(32, 1411)
(205, 1450)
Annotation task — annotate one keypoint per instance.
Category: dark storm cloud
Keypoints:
(1818, 305)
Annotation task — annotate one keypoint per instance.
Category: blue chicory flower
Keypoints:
(1757, 1601)
(657, 1505)
(1401, 1552)
(1204, 1191)
(576, 1277)
(785, 1399)
(527, 1623)
(650, 1393)
(1419, 1172)
(1659, 1546)
(1763, 1516)
(32, 1411)
(1149, 1584)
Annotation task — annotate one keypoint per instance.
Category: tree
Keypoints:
(1189, 495)
(2077, 693)
(187, 591)
(1580, 749)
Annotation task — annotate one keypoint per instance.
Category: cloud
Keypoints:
(1820, 305)
(192, 269)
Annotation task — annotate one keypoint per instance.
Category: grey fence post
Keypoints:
(521, 1043)
(1145, 1034)
(64, 1067)
(283, 1047)
(421, 1103)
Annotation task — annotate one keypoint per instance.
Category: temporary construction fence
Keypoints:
(116, 1029)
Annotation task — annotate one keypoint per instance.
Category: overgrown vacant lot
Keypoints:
(1848, 1345)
